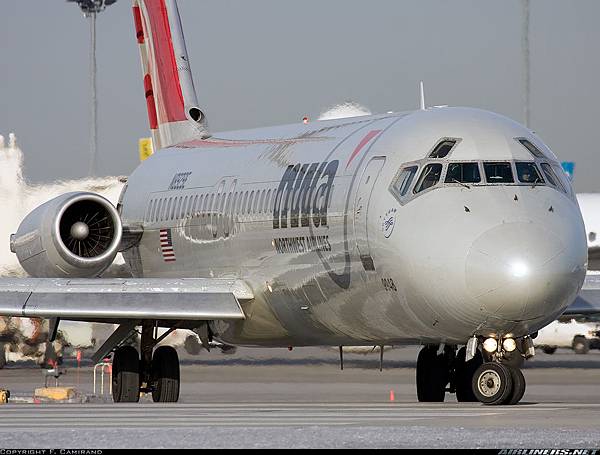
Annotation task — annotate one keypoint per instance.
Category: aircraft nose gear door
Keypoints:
(361, 210)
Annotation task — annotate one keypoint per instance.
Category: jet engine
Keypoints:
(74, 235)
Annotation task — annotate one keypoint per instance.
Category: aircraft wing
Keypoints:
(588, 300)
(115, 300)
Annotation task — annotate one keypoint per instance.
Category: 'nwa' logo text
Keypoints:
(303, 195)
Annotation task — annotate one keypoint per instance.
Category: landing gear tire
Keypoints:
(549, 349)
(492, 383)
(165, 375)
(518, 388)
(464, 372)
(432, 375)
(581, 345)
(126, 375)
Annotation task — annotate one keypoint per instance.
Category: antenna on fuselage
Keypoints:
(422, 93)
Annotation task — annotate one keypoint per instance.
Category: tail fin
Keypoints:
(173, 109)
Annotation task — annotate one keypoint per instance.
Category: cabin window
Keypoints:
(217, 202)
(222, 206)
(163, 209)
(200, 202)
(429, 177)
(209, 209)
(179, 210)
(244, 203)
(255, 205)
(149, 211)
(268, 202)
(532, 148)
(195, 206)
(250, 201)
(184, 208)
(528, 173)
(228, 205)
(159, 209)
(152, 213)
(171, 209)
(443, 148)
(498, 172)
(234, 207)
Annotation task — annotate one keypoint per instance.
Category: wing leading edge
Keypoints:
(189, 299)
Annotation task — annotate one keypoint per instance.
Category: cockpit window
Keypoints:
(463, 173)
(528, 173)
(404, 180)
(562, 178)
(443, 148)
(552, 177)
(429, 177)
(532, 148)
(498, 172)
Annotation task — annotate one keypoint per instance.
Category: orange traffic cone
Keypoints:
(392, 397)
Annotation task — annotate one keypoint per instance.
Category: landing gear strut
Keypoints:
(156, 373)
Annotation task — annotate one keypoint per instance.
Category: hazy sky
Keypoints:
(263, 62)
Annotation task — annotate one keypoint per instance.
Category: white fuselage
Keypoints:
(335, 258)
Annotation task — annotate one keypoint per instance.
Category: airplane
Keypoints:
(449, 227)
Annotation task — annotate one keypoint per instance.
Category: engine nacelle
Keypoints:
(73, 235)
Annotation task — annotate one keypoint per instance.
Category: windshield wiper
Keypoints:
(461, 184)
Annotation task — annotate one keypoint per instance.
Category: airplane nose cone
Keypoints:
(522, 271)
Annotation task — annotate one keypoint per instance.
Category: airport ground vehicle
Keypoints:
(571, 334)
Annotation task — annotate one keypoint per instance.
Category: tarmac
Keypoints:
(273, 398)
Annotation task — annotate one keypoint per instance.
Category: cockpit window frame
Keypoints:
(421, 178)
(537, 168)
(408, 195)
(479, 168)
(535, 151)
(513, 170)
(456, 141)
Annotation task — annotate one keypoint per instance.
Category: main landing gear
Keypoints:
(492, 378)
(155, 372)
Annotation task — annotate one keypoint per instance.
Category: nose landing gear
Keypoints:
(491, 379)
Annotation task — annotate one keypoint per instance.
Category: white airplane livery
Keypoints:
(453, 228)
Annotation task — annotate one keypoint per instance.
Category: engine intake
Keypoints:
(73, 235)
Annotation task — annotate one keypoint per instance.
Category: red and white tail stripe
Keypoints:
(166, 245)
(173, 110)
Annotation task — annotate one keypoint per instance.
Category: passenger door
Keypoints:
(361, 210)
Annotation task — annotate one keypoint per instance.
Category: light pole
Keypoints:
(526, 64)
(90, 9)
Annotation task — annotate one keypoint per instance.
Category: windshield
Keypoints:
(463, 173)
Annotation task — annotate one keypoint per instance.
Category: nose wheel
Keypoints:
(496, 384)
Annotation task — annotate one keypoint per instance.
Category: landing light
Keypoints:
(490, 345)
(509, 344)
(519, 269)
